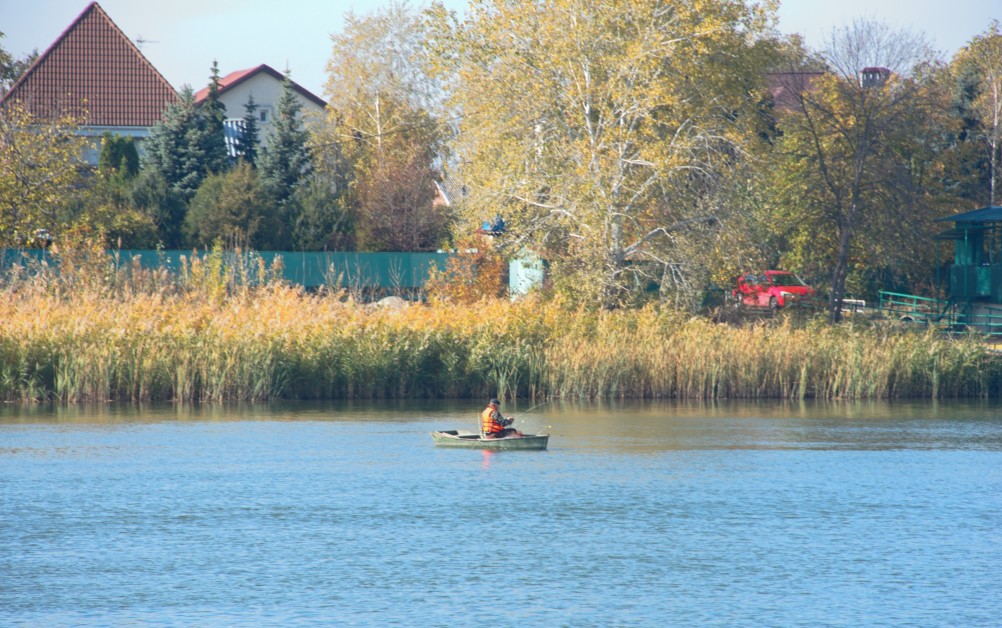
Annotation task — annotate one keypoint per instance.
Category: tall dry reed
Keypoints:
(212, 339)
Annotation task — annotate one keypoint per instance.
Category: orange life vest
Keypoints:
(489, 421)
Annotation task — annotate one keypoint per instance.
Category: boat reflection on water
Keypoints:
(486, 462)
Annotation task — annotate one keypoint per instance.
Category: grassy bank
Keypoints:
(276, 342)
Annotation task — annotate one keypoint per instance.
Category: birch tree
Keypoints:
(383, 138)
(377, 83)
(984, 56)
(599, 129)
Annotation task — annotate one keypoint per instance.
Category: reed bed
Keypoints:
(276, 342)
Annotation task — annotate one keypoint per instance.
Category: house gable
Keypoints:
(263, 81)
(93, 67)
(265, 84)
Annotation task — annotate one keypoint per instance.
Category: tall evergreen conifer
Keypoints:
(173, 149)
(186, 146)
(286, 161)
(118, 155)
(213, 135)
(250, 140)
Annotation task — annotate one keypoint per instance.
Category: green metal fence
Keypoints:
(368, 271)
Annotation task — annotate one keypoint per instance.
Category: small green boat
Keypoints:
(473, 440)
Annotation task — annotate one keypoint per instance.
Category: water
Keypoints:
(637, 515)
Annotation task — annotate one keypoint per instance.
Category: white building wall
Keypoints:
(92, 151)
(266, 91)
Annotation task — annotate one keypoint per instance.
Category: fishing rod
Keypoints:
(536, 406)
(533, 408)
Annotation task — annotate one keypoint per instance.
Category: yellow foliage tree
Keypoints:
(381, 139)
(984, 53)
(475, 272)
(39, 160)
(597, 128)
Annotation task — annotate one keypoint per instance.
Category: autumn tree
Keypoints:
(39, 161)
(981, 61)
(383, 138)
(105, 207)
(397, 209)
(104, 211)
(965, 165)
(11, 67)
(601, 130)
(857, 152)
(378, 85)
(233, 207)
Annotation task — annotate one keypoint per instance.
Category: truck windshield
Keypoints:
(787, 279)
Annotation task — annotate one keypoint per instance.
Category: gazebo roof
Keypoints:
(958, 233)
(985, 214)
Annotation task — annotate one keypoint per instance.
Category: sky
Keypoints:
(181, 38)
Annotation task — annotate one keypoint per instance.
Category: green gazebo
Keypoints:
(975, 276)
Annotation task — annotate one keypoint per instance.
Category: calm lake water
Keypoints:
(638, 515)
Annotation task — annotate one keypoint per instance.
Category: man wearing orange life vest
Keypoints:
(493, 425)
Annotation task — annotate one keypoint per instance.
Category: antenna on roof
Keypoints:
(140, 41)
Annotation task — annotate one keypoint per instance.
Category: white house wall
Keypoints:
(94, 134)
(266, 91)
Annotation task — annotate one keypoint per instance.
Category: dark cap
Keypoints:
(494, 402)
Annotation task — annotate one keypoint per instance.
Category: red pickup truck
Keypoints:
(772, 289)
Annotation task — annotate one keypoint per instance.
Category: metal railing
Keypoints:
(911, 308)
(987, 321)
(949, 316)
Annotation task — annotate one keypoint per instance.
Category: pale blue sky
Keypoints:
(189, 34)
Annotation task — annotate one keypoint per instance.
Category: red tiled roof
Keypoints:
(787, 87)
(233, 79)
(94, 66)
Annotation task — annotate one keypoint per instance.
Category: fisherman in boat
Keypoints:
(494, 425)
